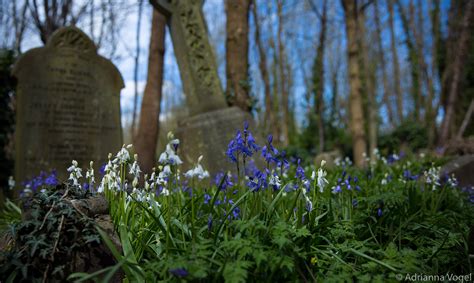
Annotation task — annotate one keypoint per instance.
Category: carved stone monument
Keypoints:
(212, 123)
(68, 106)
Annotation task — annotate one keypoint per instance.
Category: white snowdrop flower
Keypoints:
(338, 161)
(309, 204)
(135, 171)
(123, 156)
(165, 173)
(75, 173)
(384, 180)
(384, 160)
(169, 156)
(197, 171)
(27, 192)
(432, 177)
(321, 177)
(11, 183)
(170, 135)
(452, 181)
(90, 174)
(347, 161)
(174, 142)
(165, 192)
(422, 155)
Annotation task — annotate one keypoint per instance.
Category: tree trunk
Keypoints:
(395, 64)
(269, 120)
(283, 88)
(386, 92)
(457, 66)
(237, 44)
(147, 135)
(319, 77)
(355, 98)
(135, 72)
(413, 57)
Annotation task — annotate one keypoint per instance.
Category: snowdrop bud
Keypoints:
(129, 146)
(170, 136)
(91, 164)
(323, 162)
(200, 158)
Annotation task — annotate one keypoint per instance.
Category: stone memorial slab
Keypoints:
(68, 106)
(209, 134)
(463, 169)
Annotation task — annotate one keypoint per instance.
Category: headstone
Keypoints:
(328, 156)
(462, 168)
(68, 106)
(212, 123)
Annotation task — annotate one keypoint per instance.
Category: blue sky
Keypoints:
(300, 39)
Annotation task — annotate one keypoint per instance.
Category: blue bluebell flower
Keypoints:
(236, 213)
(408, 175)
(207, 198)
(336, 189)
(258, 181)
(300, 171)
(209, 222)
(379, 212)
(179, 272)
(51, 180)
(227, 183)
(102, 169)
(355, 203)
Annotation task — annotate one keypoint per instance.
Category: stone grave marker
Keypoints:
(68, 106)
(463, 169)
(212, 124)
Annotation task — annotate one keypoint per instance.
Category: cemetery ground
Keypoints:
(280, 219)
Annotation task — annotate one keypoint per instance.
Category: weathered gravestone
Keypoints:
(463, 169)
(68, 106)
(211, 124)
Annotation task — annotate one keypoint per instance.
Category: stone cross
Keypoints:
(194, 54)
(212, 123)
(68, 106)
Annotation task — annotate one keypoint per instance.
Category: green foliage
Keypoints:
(46, 243)
(369, 225)
(274, 238)
(409, 135)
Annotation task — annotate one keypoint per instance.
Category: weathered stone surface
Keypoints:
(68, 106)
(462, 168)
(329, 156)
(209, 134)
